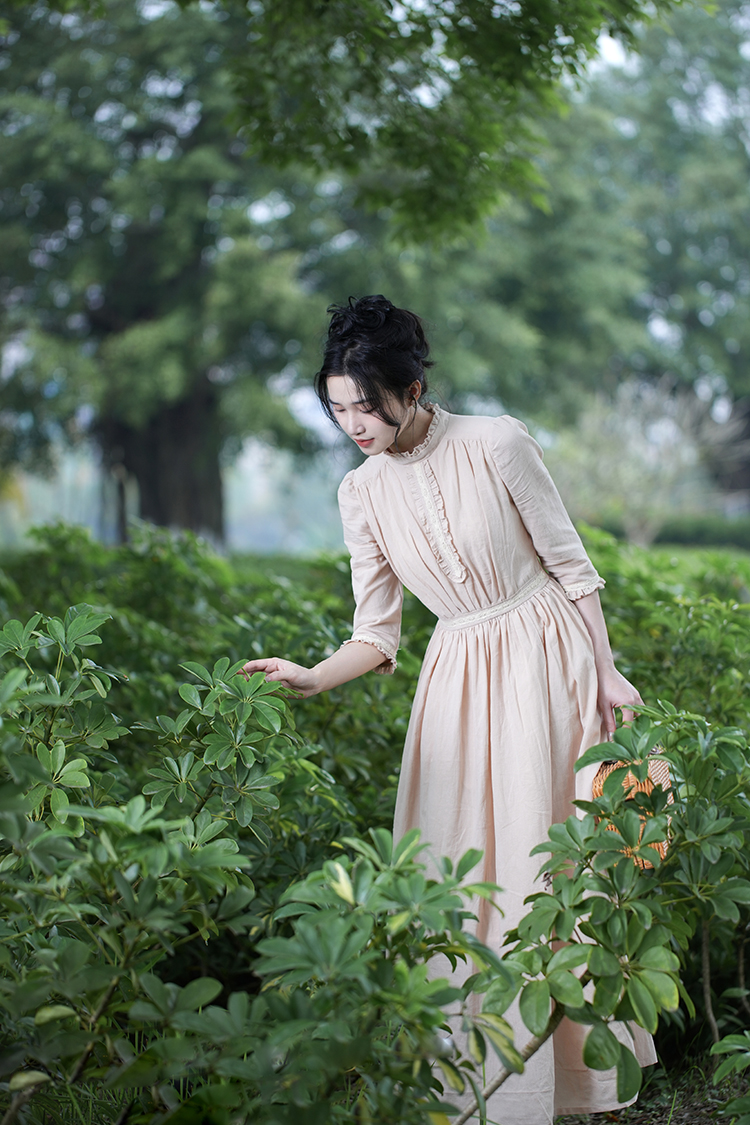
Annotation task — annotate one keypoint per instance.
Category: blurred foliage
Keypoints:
(425, 104)
(155, 277)
(638, 459)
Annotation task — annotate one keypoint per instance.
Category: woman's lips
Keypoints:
(367, 441)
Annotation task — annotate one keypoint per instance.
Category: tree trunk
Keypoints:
(174, 458)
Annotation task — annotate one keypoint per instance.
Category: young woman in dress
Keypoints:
(518, 679)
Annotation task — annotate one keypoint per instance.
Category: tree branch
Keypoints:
(18, 1103)
(101, 1009)
(530, 1049)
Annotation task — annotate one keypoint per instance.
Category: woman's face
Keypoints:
(370, 432)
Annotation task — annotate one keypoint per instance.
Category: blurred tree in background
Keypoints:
(676, 159)
(156, 275)
(128, 305)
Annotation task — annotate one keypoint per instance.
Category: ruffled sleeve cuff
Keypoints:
(576, 592)
(389, 665)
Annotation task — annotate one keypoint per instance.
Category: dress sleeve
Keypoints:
(556, 541)
(378, 593)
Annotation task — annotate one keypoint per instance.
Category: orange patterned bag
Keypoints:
(658, 774)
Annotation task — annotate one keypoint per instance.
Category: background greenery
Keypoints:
(164, 282)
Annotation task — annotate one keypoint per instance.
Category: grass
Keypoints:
(685, 1098)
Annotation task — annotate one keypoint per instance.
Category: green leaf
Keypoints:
(58, 804)
(501, 994)
(57, 757)
(468, 861)
(53, 1012)
(535, 1006)
(569, 957)
(601, 1051)
(500, 1035)
(477, 1046)
(629, 1075)
(75, 780)
(642, 1004)
(566, 988)
(658, 957)
(197, 994)
(191, 695)
(199, 671)
(453, 1075)
(662, 987)
(602, 963)
(22, 1079)
(56, 630)
(607, 994)
(268, 717)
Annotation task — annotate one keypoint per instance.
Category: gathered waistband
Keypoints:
(475, 617)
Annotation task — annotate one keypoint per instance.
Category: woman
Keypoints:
(518, 678)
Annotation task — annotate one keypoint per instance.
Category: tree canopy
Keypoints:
(431, 104)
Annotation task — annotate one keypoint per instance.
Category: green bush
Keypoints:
(204, 917)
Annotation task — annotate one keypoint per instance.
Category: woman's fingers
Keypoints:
(257, 665)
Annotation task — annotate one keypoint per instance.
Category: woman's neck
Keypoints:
(413, 432)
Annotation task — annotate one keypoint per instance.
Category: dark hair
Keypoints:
(381, 348)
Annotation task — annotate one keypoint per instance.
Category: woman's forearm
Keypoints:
(345, 664)
(590, 609)
(614, 690)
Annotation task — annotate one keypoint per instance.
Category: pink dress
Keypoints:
(470, 522)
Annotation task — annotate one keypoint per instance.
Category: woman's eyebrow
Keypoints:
(357, 402)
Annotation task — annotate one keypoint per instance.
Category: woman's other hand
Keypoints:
(301, 680)
(616, 691)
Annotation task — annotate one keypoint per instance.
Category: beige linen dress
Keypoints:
(472, 524)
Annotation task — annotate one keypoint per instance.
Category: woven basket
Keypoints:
(658, 774)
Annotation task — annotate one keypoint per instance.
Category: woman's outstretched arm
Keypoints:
(348, 662)
(614, 689)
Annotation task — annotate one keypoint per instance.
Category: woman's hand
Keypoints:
(616, 691)
(301, 680)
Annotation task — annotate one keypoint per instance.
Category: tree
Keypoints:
(155, 277)
(128, 307)
(429, 104)
(674, 155)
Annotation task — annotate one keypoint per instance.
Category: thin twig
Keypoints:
(19, 1102)
(706, 959)
(103, 1004)
(122, 1117)
(530, 1049)
(203, 799)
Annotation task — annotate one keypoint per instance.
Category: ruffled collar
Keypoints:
(432, 437)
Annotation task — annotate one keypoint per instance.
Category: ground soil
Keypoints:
(686, 1099)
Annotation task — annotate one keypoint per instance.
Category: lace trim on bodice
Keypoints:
(431, 508)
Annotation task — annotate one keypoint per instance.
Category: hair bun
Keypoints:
(362, 316)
